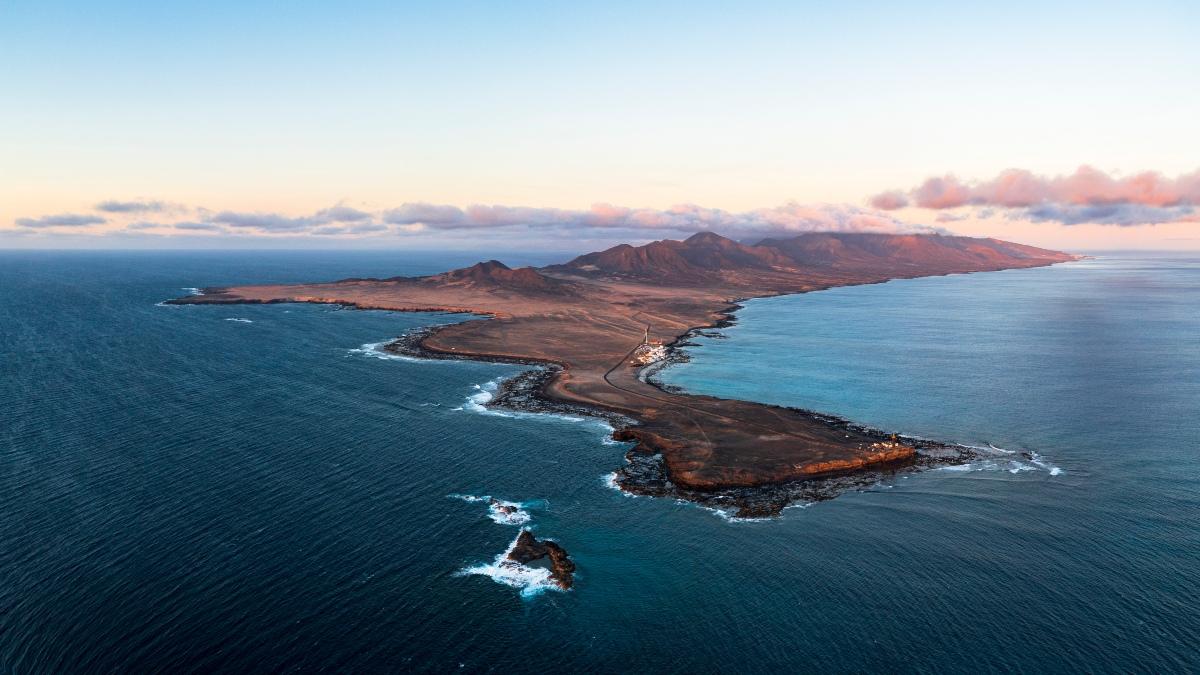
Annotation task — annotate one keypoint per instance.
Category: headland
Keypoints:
(594, 324)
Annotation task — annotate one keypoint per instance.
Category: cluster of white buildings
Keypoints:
(649, 351)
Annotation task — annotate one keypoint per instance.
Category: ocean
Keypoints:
(258, 488)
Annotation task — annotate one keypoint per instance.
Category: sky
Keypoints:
(572, 125)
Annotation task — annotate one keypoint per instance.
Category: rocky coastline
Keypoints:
(585, 329)
(524, 392)
(644, 472)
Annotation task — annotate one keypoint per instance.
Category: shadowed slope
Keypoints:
(708, 258)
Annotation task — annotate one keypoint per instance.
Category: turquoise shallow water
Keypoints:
(185, 492)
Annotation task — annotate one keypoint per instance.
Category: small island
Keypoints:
(594, 326)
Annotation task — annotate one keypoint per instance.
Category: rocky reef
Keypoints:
(528, 549)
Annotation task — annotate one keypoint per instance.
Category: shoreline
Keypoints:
(594, 340)
(644, 472)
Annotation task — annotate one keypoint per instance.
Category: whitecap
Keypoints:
(1042, 463)
(728, 515)
(1035, 463)
(532, 581)
(607, 433)
(240, 320)
(192, 290)
(986, 465)
(501, 512)
(375, 350)
(610, 482)
(486, 392)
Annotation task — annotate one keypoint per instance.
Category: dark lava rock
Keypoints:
(502, 507)
(528, 548)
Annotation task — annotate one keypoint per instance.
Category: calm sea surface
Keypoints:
(189, 489)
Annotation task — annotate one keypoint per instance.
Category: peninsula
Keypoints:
(597, 322)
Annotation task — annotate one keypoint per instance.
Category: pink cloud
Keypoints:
(1019, 188)
(1013, 188)
(942, 193)
(890, 200)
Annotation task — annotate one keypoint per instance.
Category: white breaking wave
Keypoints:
(531, 581)
(240, 320)
(500, 511)
(1042, 463)
(730, 515)
(375, 350)
(607, 432)
(484, 393)
(192, 290)
(610, 482)
(1002, 463)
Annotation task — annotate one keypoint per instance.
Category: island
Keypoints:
(595, 326)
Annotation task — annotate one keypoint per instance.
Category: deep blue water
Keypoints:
(182, 492)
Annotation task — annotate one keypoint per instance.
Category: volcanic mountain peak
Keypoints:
(708, 238)
(858, 250)
(707, 257)
(493, 274)
(701, 256)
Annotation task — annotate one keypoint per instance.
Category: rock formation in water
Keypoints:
(528, 549)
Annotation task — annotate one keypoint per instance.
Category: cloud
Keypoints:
(790, 217)
(942, 193)
(341, 214)
(951, 217)
(276, 222)
(61, 220)
(114, 206)
(362, 228)
(890, 200)
(1086, 196)
(271, 222)
(185, 226)
(1125, 215)
(198, 227)
(480, 220)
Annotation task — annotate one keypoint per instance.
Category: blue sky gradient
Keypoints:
(293, 107)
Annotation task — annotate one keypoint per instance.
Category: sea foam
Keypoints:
(501, 512)
(1004, 460)
(610, 482)
(531, 581)
(375, 350)
(483, 394)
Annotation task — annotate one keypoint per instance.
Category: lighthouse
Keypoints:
(648, 351)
